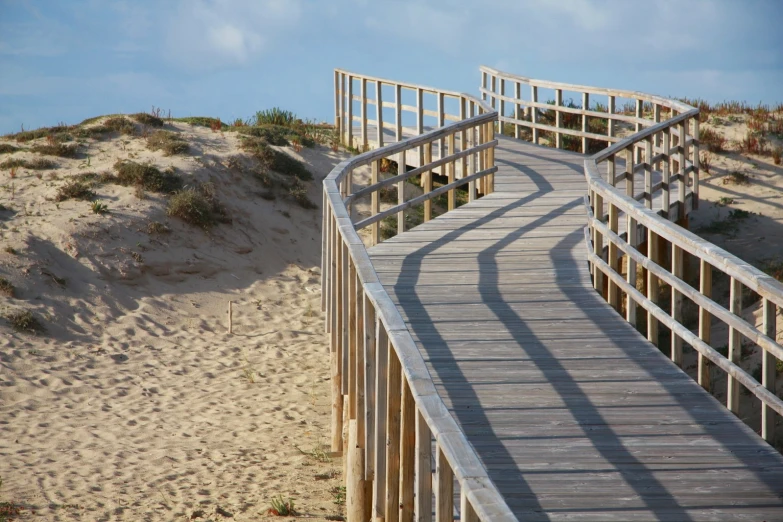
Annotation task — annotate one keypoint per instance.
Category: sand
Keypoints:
(136, 404)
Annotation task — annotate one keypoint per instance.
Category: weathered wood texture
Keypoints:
(574, 414)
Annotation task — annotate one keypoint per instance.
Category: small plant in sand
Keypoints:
(198, 206)
(120, 124)
(35, 164)
(705, 161)
(156, 227)
(282, 508)
(276, 116)
(10, 250)
(75, 189)
(62, 150)
(723, 201)
(130, 173)
(99, 208)
(736, 177)
(150, 120)
(216, 125)
(7, 288)
(777, 153)
(9, 511)
(7, 148)
(318, 453)
(298, 192)
(25, 321)
(714, 140)
(274, 159)
(169, 142)
(338, 493)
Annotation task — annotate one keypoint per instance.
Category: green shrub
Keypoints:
(149, 177)
(275, 160)
(35, 164)
(7, 148)
(61, 150)
(298, 192)
(25, 321)
(276, 116)
(203, 121)
(198, 206)
(169, 142)
(43, 132)
(120, 124)
(147, 119)
(75, 189)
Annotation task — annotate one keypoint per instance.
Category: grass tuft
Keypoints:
(147, 176)
(62, 150)
(120, 124)
(156, 227)
(7, 148)
(198, 206)
(147, 119)
(75, 189)
(282, 508)
(25, 321)
(6, 288)
(202, 121)
(34, 164)
(276, 116)
(169, 142)
(275, 160)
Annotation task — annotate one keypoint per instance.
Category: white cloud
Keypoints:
(211, 34)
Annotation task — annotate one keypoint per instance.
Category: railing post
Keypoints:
(375, 203)
(534, 112)
(444, 506)
(735, 344)
(502, 110)
(768, 371)
(652, 286)
(666, 173)
(681, 214)
(517, 108)
(452, 194)
(423, 470)
(427, 179)
(338, 330)
(585, 126)
(639, 114)
(370, 335)
(610, 120)
(381, 417)
(441, 123)
(419, 111)
(678, 272)
(393, 412)
(379, 111)
(630, 275)
(613, 290)
(648, 195)
(471, 161)
(467, 513)
(363, 96)
(401, 169)
(696, 159)
(355, 500)
(705, 323)
(338, 92)
(343, 94)
(398, 112)
(598, 241)
(349, 123)
(407, 452)
(558, 118)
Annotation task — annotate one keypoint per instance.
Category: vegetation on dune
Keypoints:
(120, 124)
(169, 142)
(203, 121)
(198, 206)
(275, 160)
(62, 150)
(149, 177)
(75, 189)
(7, 148)
(147, 119)
(25, 321)
(34, 164)
(7, 288)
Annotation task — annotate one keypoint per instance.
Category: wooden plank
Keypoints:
(423, 470)
(407, 453)
(381, 417)
(444, 505)
(393, 421)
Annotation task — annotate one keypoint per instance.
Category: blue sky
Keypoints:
(66, 60)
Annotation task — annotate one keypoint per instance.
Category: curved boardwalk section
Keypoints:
(574, 414)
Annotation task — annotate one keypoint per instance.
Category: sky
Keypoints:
(67, 60)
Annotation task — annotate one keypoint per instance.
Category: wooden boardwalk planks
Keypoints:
(575, 415)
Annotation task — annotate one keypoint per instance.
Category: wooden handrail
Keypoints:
(383, 395)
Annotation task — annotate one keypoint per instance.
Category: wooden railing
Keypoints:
(387, 417)
(671, 153)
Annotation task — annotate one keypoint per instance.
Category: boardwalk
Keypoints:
(573, 413)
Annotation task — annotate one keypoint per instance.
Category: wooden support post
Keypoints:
(639, 114)
(558, 118)
(363, 96)
(735, 345)
(343, 129)
(379, 111)
(705, 323)
(502, 110)
(648, 195)
(419, 112)
(517, 108)
(610, 120)
(337, 353)
(683, 174)
(402, 168)
(491, 158)
(598, 240)
(359, 364)
(355, 486)
(652, 286)
(666, 173)
(613, 291)
(393, 413)
(350, 371)
(349, 102)
(375, 203)
(407, 452)
(338, 93)
(629, 174)
(534, 112)
(423, 470)
(768, 371)
(398, 112)
(369, 388)
(585, 126)
(677, 271)
(441, 122)
(427, 180)
(630, 275)
(381, 416)
(493, 79)
(451, 166)
(696, 159)
(467, 513)
(444, 497)
(471, 161)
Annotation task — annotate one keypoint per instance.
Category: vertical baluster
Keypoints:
(407, 452)
(352, 349)
(471, 161)
(652, 286)
(648, 198)
(639, 114)
(666, 173)
(534, 112)
(585, 126)
(355, 499)
(441, 122)
(375, 203)
(381, 416)
(393, 413)
(423, 470)
(517, 107)
(363, 96)
(467, 513)
(630, 275)
(491, 158)
(483, 85)
(345, 344)
(613, 290)
(379, 111)
(359, 363)
(370, 334)
(558, 118)
(683, 172)
(337, 94)
(402, 168)
(427, 179)
(343, 128)
(598, 241)
(452, 194)
(398, 112)
(705, 323)
(502, 111)
(324, 253)
(337, 387)
(610, 120)
(349, 101)
(735, 345)
(678, 272)
(494, 89)
(444, 507)
(419, 111)
(696, 159)
(768, 371)
(611, 168)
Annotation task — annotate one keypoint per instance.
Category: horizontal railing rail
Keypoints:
(383, 395)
